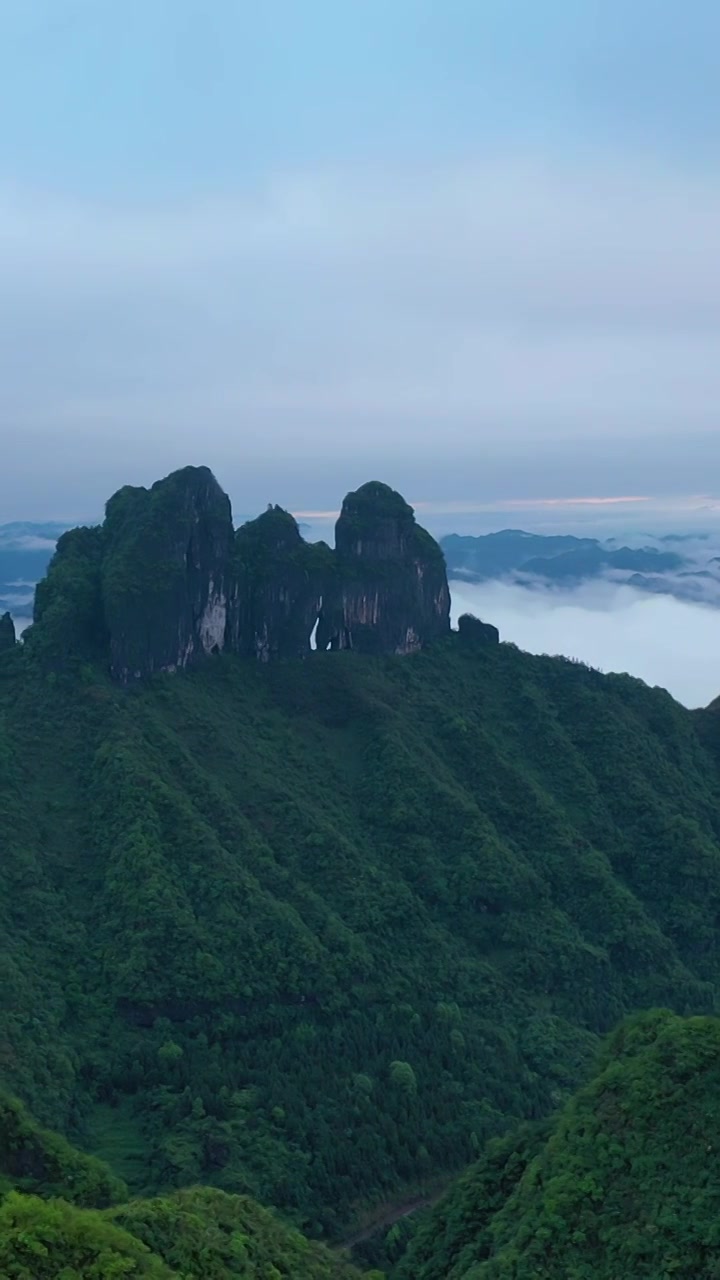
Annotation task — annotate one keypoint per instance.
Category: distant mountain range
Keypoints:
(678, 565)
(686, 566)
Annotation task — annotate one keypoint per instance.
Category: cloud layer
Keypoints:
(663, 641)
(458, 312)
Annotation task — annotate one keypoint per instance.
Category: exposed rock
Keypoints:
(7, 633)
(165, 582)
(389, 593)
(166, 573)
(473, 631)
(280, 580)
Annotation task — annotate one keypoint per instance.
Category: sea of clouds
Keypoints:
(605, 622)
(664, 641)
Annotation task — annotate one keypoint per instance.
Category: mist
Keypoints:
(666, 642)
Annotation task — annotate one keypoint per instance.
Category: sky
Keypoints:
(469, 248)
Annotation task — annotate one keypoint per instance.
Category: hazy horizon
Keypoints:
(469, 250)
(586, 514)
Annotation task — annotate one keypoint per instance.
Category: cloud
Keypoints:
(14, 600)
(663, 641)
(686, 586)
(419, 324)
(516, 289)
(26, 542)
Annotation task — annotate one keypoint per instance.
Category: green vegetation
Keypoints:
(193, 1235)
(55, 1228)
(49, 1240)
(457, 1232)
(370, 506)
(315, 931)
(68, 602)
(38, 1160)
(281, 582)
(377, 524)
(207, 1234)
(161, 548)
(318, 934)
(623, 1185)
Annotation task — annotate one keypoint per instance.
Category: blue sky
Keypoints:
(179, 96)
(467, 247)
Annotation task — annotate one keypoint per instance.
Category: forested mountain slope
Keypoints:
(623, 1183)
(315, 930)
(63, 1216)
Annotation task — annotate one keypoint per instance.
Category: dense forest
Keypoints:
(65, 1216)
(314, 933)
(623, 1182)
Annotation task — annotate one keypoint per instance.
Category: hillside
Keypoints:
(624, 1184)
(39, 1162)
(63, 1216)
(314, 930)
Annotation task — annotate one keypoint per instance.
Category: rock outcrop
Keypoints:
(389, 593)
(280, 580)
(166, 581)
(7, 633)
(166, 573)
(474, 632)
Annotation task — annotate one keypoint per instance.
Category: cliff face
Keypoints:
(166, 573)
(7, 633)
(166, 581)
(279, 587)
(389, 593)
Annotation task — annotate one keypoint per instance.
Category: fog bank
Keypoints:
(614, 627)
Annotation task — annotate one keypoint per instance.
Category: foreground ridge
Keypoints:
(621, 1182)
(63, 1213)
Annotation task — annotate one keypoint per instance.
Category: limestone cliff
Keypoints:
(7, 633)
(166, 582)
(166, 573)
(389, 593)
(279, 580)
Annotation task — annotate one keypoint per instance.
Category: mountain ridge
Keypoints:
(564, 561)
(314, 931)
(621, 1182)
(166, 580)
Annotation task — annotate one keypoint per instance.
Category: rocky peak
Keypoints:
(375, 523)
(166, 581)
(7, 633)
(390, 592)
(474, 632)
(280, 583)
(165, 573)
(276, 530)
